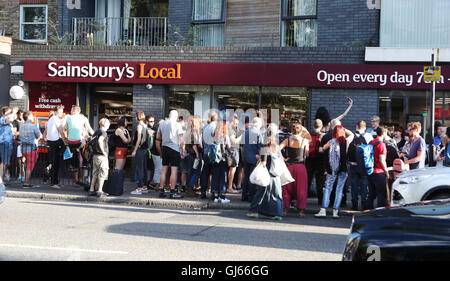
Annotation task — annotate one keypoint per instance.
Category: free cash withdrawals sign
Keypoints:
(362, 76)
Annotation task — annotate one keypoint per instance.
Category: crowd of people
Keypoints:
(177, 156)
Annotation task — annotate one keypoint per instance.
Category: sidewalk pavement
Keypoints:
(76, 193)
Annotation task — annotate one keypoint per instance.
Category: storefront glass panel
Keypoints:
(398, 108)
(291, 102)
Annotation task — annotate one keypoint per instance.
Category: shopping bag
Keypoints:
(286, 176)
(260, 176)
(67, 154)
(19, 151)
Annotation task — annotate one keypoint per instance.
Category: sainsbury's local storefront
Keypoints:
(113, 88)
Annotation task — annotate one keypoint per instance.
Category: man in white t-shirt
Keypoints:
(170, 145)
(55, 137)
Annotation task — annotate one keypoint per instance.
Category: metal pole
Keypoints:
(432, 111)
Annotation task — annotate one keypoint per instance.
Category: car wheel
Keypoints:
(437, 196)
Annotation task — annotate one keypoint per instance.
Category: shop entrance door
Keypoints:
(113, 103)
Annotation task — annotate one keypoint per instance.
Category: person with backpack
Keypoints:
(140, 154)
(221, 145)
(315, 160)
(207, 140)
(100, 163)
(76, 126)
(378, 178)
(336, 168)
(170, 145)
(358, 176)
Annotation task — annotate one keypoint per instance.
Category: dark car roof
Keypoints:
(434, 208)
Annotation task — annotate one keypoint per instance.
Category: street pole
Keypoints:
(432, 111)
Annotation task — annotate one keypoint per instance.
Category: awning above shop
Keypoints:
(381, 54)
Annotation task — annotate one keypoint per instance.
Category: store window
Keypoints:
(299, 23)
(189, 99)
(291, 103)
(398, 108)
(208, 19)
(276, 103)
(33, 23)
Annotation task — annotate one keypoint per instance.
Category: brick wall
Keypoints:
(4, 79)
(149, 101)
(10, 16)
(347, 23)
(365, 104)
(180, 16)
(189, 53)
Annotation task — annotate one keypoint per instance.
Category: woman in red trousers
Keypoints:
(297, 148)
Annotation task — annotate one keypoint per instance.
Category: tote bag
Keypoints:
(286, 176)
(260, 176)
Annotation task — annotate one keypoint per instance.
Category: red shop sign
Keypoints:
(240, 74)
(44, 97)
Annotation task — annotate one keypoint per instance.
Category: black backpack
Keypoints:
(392, 152)
(93, 145)
(357, 141)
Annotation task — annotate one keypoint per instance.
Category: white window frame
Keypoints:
(25, 23)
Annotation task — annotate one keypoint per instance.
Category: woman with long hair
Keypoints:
(297, 148)
(268, 200)
(336, 168)
(140, 154)
(194, 150)
(121, 139)
(219, 167)
(235, 137)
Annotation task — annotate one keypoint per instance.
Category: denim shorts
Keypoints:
(6, 150)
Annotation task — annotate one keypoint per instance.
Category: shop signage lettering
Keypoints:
(164, 72)
(112, 72)
(406, 80)
(362, 76)
(91, 71)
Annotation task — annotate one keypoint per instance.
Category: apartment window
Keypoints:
(33, 23)
(299, 23)
(415, 23)
(208, 19)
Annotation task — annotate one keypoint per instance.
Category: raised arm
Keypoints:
(350, 104)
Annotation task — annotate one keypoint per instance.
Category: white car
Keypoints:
(421, 184)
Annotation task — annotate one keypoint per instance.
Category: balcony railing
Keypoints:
(120, 31)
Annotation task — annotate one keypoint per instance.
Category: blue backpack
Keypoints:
(215, 153)
(365, 157)
(447, 156)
